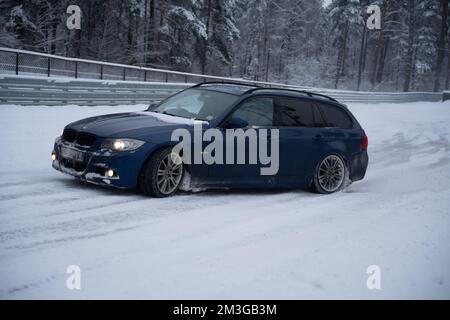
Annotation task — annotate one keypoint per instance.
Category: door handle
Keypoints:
(318, 137)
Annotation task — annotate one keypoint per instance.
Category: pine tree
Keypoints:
(346, 16)
(441, 45)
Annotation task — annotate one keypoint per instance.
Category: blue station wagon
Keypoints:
(321, 145)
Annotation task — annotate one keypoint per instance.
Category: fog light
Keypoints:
(110, 173)
(53, 157)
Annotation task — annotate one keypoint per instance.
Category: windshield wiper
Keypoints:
(171, 114)
(176, 115)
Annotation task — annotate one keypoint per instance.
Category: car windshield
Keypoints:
(196, 104)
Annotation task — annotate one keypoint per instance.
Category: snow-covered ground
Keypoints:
(229, 244)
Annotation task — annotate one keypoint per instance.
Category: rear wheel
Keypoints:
(331, 174)
(162, 174)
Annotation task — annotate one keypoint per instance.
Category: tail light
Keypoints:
(364, 143)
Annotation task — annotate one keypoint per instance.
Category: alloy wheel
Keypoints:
(331, 173)
(169, 173)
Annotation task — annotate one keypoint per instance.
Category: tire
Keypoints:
(161, 177)
(331, 174)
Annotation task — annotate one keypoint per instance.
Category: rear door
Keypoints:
(345, 139)
(302, 138)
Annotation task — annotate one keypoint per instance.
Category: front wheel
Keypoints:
(331, 174)
(162, 174)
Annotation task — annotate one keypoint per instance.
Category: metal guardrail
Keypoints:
(380, 97)
(59, 91)
(31, 78)
(54, 91)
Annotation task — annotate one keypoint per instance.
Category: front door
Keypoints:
(258, 113)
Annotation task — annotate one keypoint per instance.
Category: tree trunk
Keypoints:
(130, 30)
(204, 53)
(78, 44)
(341, 57)
(344, 56)
(151, 32)
(144, 58)
(441, 44)
(53, 41)
(410, 54)
(265, 55)
(158, 35)
(380, 52)
(383, 52)
(447, 76)
(362, 57)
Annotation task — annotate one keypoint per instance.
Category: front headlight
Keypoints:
(121, 144)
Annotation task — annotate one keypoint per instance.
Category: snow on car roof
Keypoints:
(236, 89)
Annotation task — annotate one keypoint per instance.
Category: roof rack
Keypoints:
(256, 87)
(311, 94)
(226, 82)
(319, 95)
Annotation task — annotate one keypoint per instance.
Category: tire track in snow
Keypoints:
(92, 221)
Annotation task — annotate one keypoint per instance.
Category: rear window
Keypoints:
(335, 117)
(290, 112)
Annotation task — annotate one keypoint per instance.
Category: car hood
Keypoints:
(138, 125)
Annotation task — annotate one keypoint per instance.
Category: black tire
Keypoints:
(148, 183)
(320, 186)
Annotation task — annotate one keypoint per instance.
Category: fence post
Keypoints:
(124, 73)
(17, 63)
(76, 69)
(185, 79)
(167, 77)
(101, 72)
(48, 67)
(145, 75)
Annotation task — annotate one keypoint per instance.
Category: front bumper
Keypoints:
(96, 164)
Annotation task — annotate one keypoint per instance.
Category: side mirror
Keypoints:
(236, 123)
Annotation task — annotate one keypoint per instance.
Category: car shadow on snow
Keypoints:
(75, 183)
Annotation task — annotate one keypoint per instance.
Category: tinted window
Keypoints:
(336, 117)
(256, 111)
(296, 113)
(318, 119)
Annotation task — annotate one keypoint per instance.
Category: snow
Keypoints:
(196, 24)
(65, 79)
(229, 244)
(172, 119)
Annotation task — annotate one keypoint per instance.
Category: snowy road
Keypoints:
(240, 244)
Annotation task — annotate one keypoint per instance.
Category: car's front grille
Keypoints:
(85, 139)
(82, 139)
(69, 135)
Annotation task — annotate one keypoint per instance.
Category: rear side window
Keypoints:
(291, 112)
(335, 117)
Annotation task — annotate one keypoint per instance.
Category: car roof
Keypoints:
(243, 89)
